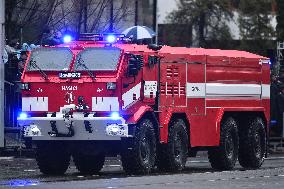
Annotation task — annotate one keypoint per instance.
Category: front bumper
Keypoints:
(75, 128)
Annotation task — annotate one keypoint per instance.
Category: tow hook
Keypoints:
(54, 131)
(68, 123)
(82, 106)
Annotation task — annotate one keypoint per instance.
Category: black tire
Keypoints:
(252, 147)
(89, 164)
(225, 156)
(52, 158)
(173, 156)
(139, 153)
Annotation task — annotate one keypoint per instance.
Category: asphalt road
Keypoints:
(23, 172)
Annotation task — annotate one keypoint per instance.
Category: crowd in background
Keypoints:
(14, 58)
(276, 105)
(15, 54)
(51, 37)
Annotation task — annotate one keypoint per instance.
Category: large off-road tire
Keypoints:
(173, 156)
(139, 153)
(252, 146)
(88, 163)
(225, 156)
(53, 158)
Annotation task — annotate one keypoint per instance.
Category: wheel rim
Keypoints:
(145, 150)
(229, 147)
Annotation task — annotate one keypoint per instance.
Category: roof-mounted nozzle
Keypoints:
(154, 47)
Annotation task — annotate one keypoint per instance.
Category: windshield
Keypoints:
(98, 58)
(50, 59)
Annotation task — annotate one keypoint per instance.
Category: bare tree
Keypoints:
(33, 16)
(208, 17)
(25, 15)
(94, 14)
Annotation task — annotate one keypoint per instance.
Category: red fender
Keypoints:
(164, 131)
(138, 114)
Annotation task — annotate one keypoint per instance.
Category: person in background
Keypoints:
(280, 111)
(13, 47)
(47, 37)
(25, 47)
(5, 56)
(274, 92)
(13, 50)
(22, 61)
(57, 39)
(33, 46)
(51, 38)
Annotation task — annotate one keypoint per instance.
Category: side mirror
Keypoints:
(133, 67)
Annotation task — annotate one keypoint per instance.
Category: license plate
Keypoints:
(66, 75)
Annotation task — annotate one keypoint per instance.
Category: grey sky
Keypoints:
(164, 8)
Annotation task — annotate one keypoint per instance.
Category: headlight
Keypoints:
(25, 86)
(111, 86)
(117, 130)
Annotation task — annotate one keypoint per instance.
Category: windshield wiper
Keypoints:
(81, 63)
(34, 65)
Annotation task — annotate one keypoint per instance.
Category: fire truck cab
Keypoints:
(152, 105)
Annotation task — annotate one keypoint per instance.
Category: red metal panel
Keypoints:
(139, 112)
(205, 129)
(233, 102)
(166, 98)
(179, 84)
(196, 74)
(164, 119)
(265, 77)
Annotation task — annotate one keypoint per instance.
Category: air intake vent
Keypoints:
(173, 90)
(172, 72)
(182, 90)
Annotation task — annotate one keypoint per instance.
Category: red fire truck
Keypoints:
(153, 105)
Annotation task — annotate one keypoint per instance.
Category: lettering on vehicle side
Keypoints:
(69, 88)
(74, 75)
(195, 89)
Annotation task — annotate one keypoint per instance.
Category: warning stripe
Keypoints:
(219, 90)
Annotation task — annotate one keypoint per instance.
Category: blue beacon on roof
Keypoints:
(111, 38)
(67, 39)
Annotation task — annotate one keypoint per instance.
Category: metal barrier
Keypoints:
(2, 34)
(11, 104)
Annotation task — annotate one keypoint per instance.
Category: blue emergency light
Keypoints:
(115, 115)
(67, 39)
(107, 37)
(23, 115)
(111, 38)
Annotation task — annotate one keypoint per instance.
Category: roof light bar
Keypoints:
(107, 37)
